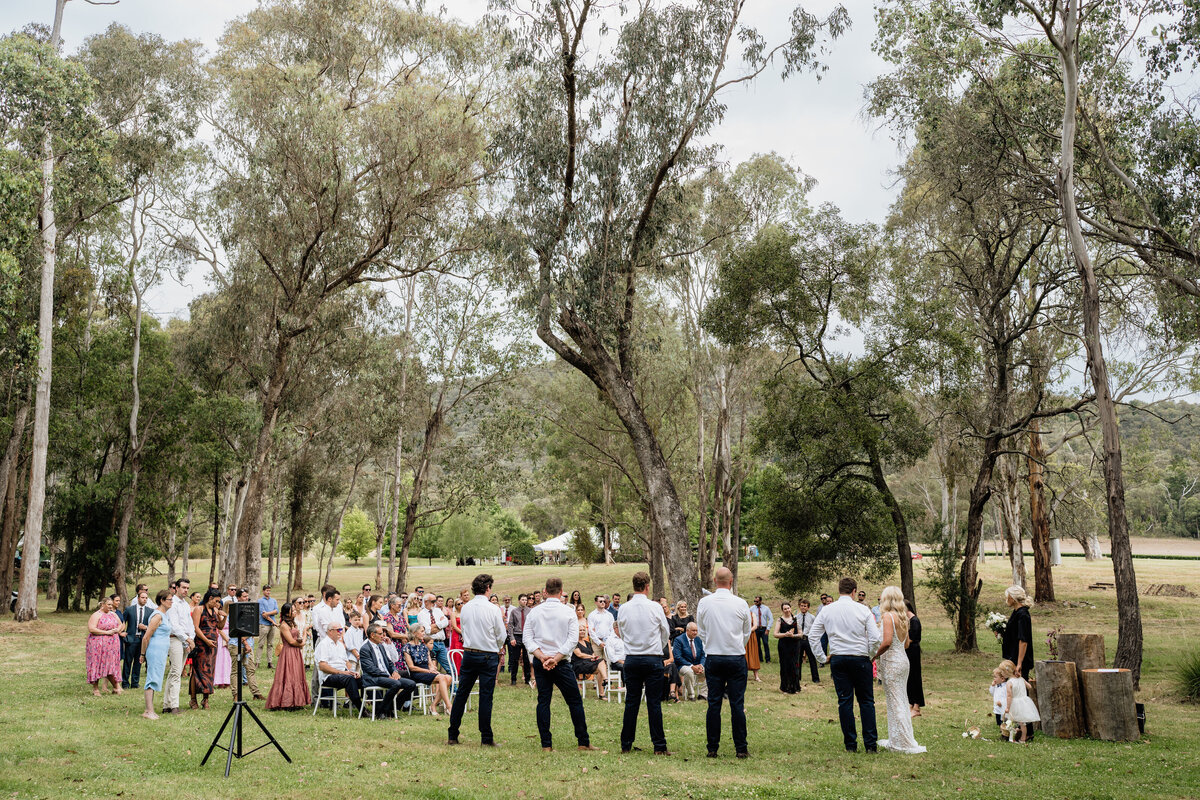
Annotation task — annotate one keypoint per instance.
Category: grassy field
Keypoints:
(59, 741)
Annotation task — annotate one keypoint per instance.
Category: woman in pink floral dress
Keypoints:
(104, 648)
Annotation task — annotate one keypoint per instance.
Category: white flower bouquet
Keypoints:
(996, 623)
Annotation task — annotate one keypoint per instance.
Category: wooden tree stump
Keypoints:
(1109, 704)
(1059, 702)
(1085, 649)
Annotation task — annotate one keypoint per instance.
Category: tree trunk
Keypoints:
(1091, 547)
(969, 584)
(409, 302)
(172, 555)
(657, 579)
(187, 540)
(1039, 520)
(606, 490)
(52, 578)
(1059, 702)
(1129, 615)
(596, 363)
(337, 532)
(433, 431)
(271, 539)
(248, 543)
(1085, 649)
(212, 564)
(1108, 705)
(36, 502)
(903, 548)
(1010, 510)
(9, 506)
(736, 552)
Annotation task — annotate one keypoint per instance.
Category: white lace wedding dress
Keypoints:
(893, 671)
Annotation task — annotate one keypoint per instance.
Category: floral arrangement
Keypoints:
(1052, 642)
(996, 623)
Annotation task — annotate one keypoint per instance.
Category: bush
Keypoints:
(523, 554)
(1187, 676)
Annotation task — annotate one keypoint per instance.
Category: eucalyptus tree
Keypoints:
(341, 129)
(469, 348)
(49, 134)
(148, 95)
(833, 423)
(610, 106)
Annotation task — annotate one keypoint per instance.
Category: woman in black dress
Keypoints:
(678, 621)
(916, 691)
(1018, 633)
(787, 631)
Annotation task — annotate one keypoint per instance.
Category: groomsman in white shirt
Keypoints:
(645, 629)
(854, 639)
(551, 635)
(763, 620)
(483, 633)
(725, 626)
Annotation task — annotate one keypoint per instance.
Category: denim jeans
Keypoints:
(852, 678)
(563, 677)
(643, 672)
(480, 667)
(726, 678)
(441, 655)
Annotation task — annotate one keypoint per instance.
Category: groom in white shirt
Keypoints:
(854, 639)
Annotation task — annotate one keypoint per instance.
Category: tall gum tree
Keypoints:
(341, 129)
(609, 108)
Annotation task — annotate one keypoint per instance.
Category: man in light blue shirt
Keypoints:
(268, 613)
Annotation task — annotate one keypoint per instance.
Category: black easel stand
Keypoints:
(235, 733)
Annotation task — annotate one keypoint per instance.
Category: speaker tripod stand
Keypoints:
(234, 748)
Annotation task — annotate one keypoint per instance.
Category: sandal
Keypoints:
(95, 692)
(193, 704)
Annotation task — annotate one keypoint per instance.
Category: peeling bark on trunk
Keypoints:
(36, 501)
(1129, 615)
(903, 548)
(11, 509)
(1039, 519)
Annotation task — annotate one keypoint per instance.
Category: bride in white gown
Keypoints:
(893, 670)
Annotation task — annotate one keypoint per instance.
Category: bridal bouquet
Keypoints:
(996, 623)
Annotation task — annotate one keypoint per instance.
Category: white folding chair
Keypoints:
(373, 695)
(423, 695)
(454, 678)
(613, 683)
(329, 693)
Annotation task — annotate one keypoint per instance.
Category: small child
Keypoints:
(354, 640)
(999, 692)
(1020, 710)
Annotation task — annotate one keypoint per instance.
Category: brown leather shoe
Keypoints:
(549, 749)
(452, 741)
(664, 753)
(586, 747)
(490, 744)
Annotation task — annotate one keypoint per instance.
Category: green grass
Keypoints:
(59, 741)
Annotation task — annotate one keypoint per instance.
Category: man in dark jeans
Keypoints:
(483, 632)
(853, 639)
(551, 636)
(644, 628)
(516, 648)
(725, 625)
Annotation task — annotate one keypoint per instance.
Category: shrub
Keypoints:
(523, 554)
(1187, 676)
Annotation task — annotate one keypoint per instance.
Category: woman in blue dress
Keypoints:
(155, 644)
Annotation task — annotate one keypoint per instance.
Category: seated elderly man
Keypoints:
(614, 651)
(689, 655)
(378, 670)
(332, 667)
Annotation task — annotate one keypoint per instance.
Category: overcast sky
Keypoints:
(817, 125)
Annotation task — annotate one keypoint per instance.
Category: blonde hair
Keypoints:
(892, 600)
(414, 633)
(1017, 595)
(413, 602)
(1007, 669)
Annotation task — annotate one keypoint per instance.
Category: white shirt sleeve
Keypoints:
(572, 637)
(815, 633)
(874, 637)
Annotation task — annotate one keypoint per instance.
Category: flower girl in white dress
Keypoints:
(1020, 710)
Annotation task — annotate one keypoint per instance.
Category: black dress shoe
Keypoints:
(712, 753)
(872, 750)
(851, 749)
(626, 750)
(664, 752)
(452, 741)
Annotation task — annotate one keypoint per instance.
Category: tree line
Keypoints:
(477, 283)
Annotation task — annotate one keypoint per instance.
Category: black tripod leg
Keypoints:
(234, 736)
(278, 746)
(217, 738)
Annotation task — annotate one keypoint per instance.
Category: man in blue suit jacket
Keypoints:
(137, 618)
(377, 671)
(689, 656)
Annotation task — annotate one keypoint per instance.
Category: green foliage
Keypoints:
(426, 544)
(818, 533)
(582, 549)
(466, 536)
(942, 579)
(523, 554)
(539, 520)
(1187, 676)
(509, 530)
(358, 535)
